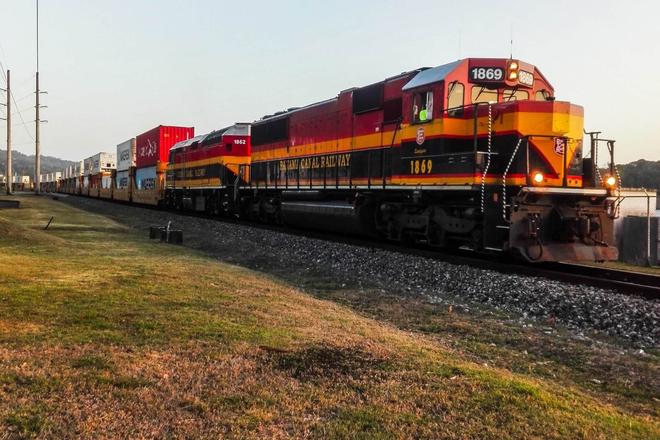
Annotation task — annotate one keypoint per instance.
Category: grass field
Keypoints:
(105, 334)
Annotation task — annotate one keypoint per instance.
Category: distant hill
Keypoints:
(24, 164)
(641, 174)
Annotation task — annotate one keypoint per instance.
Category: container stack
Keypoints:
(152, 155)
(125, 169)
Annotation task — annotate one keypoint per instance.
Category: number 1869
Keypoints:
(423, 166)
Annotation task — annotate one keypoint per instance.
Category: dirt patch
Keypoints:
(21, 236)
(319, 362)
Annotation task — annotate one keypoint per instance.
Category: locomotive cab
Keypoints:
(495, 127)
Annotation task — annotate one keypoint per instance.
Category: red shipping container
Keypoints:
(155, 144)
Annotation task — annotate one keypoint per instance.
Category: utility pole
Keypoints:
(9, 172)
(37, 145)
(8, 119)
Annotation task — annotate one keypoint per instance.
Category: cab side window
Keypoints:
(542, 95)
(423, 107)
(455, 98)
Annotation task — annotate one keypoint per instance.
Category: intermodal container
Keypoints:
(126, 155)
(106, 181)
(94, 181)
(88, 165)
(145, 178)
(122, 179)
(103, 162)
(154, 145)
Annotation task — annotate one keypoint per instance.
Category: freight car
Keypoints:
(476, 153)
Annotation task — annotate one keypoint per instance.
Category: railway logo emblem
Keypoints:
(421, 137)
(559, 146)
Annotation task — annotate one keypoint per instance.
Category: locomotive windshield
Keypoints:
(515, 94)
(480, 94)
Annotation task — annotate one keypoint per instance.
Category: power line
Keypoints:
(25, 96)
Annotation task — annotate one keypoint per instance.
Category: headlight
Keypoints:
(538, 177)
(513, 75)
(513, 65)
(610, 181)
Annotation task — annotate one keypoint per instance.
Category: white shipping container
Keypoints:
(103, 162)
(126, 155)
(88, 166)
(80, 168)
(106, 182)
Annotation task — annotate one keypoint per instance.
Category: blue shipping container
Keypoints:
(145, 178)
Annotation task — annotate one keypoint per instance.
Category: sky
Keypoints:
(116, 68)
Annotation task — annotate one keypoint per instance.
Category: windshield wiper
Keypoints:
(513, 93)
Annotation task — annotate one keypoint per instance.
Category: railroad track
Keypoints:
(631, 283)
(642, 284)
(645, 285)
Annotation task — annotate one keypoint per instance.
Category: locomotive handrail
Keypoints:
(525, 138)
(506, 171)
(490, 142)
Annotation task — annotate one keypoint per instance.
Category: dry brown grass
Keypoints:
(123, 338)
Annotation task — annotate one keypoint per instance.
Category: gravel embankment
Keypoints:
(581, 308)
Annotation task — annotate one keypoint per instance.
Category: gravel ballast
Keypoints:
(635, 321)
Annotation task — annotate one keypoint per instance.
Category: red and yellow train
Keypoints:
(476, 153)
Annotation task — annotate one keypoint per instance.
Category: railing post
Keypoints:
(594, 159)
(564, 181)
(475, 127)
(527, 161)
